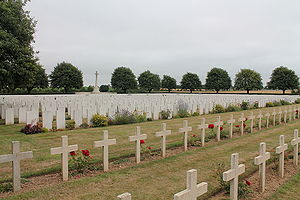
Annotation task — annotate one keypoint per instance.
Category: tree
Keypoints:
(66, 76)
(39, 80)
(104, 88)
(248, 79)
(168, 82)
(191, 82)
(218, 79)
(17, 59)
(123, 79)
(149, 81)
(283, 79)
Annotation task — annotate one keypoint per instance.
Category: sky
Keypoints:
(169, 37)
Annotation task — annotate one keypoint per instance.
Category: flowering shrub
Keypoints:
(194, 140)
(70, 124)
(218, 109)
(99, 120)
(32, 129)
(165, 114)
(82, 162)
(126, 117)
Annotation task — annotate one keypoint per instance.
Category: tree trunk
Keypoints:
(169, 90)
(248, 91)
(283, 91)
(217, 91)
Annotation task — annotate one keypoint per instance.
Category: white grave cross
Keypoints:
(251, 117)
(185, 130)
(137, 138)
(295, 142)
(260, 116)
(218, 124)
(280, 150)
(192, 190)
(64, 150)
(274, 117)
(232, 175)
(105, 144)
(231, 122)
(268, 119)
(242, 119)
(261, 161)
(202, 127)
(124, 196)
(15, 158)
(163, 134)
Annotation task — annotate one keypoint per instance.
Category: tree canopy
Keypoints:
(168, 82)
(66, 76)
(123, 79)
(191, 82)
(248, 79)
(18, 63)
(149, 81)
(218, 79)
(283, 79)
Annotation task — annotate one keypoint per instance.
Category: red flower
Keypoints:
(142, 141)
(237, 126)
(244, 125)
(72, 153)
(221, 128)
(248, 182)
(149, 148)
(211, 126)
(85, 152)
(194, 135)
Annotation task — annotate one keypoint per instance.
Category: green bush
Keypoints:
(44, 130)
(99, 120)
(165, 114)
(20, 91)
(233, 108)
(283, 102)
(84, 125)
(218, 109)
(182, 113)
(123, 117)
(140, 118)
(245, 105)
(269, 104)
(255, 106)
(277, 103)
(104, 88)
(297, 101)
(70, 124)
(195, 114)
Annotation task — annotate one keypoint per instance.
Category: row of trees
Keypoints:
(282, 78)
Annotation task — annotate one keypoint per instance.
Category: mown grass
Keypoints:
(158, 179)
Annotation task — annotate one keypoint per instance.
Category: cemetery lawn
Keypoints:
(157, 179)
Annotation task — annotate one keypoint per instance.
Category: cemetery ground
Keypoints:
(153, 178)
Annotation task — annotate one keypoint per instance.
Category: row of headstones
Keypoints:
(66, 149)
(194, 190)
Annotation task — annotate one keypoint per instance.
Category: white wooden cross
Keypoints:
(261, 161)
(15, 158)
(251, 117)
(64, 150)
(280, 116)
(231, 122)
(295, 142)
(260, 116)
(202, 127)
(232, 175)
(294, 113)
(218, 124)
(192, 190)
(105, 144)
(280, 150)
(298, 112)
(290, 114)
(185, 130)
(137, 138)
(268, 119)
(163, 134)
(242, 119)
(285, 116)
(274, 117)
(124, 196)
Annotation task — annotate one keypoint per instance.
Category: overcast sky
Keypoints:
(167, 36)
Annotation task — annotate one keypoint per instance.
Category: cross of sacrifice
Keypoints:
(105, 144)
(163, 134)
(96, 80)
(232, 175)
(280, 116)
(218, 124)
(261, 161)
(268, 119)
(137, 138)
(15, 158)
(231, 122)
(280, 150)
(260, 116)
(202, 127)
(274, 117)
(251, 117)
(242, 119)
(192, 190)
(124, 196)
(185, 130)
(295, 142)
(285, 116)
(64, 150)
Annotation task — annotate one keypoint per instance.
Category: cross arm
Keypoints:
(6, 158)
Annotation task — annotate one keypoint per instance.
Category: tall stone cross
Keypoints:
(64, 150)
(251, 118)
(261, 161)
(137, 139)
(295, 142)
(268, 119)
(124, 196)
(105, 144)
(186, 129)
(163, 134)
(218, 124)
(96, 80)
(260, 116)
(192, 190)
(285, 116)
(274, 117)
(231, 122)
(202, 127)
(280, 116)
(232, 175)
(280, 150)
(15, 158)
(242, 119)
